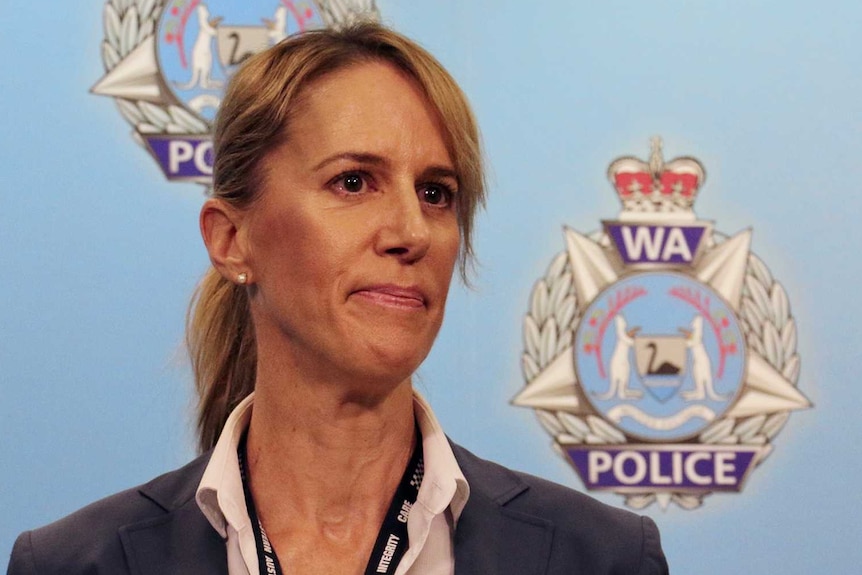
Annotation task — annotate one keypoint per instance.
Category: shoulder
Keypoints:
(530, 494)
(586, 532)
(91, 538)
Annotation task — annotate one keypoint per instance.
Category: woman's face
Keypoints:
(355, 235)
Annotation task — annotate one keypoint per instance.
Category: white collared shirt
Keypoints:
(430, 526)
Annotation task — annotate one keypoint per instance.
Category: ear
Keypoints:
(225, 238)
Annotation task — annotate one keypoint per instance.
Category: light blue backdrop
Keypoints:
(99, 254)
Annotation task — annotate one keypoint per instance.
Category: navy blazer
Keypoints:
(513, 524)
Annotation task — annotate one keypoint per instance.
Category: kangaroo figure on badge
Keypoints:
(701, 366)
(202, 53)
(620, 365)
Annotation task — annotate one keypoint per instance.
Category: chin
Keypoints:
(392, 363)
(397, 367)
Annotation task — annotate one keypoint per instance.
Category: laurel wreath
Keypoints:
(129, 23)
(553, 318)
(340, 13)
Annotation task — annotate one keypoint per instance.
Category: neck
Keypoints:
(325, 457)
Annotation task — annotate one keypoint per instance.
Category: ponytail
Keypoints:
(222, 350)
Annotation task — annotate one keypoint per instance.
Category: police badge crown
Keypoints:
(659, 354)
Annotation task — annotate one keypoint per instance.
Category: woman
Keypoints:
(347, 173)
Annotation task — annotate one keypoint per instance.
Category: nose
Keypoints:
(404, 231)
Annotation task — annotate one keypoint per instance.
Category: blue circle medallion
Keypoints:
(200, 44)
(660, 355)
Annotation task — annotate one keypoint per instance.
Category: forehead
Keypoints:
(372, 103)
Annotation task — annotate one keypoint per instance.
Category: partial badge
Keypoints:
(167, 62)
(660, 355)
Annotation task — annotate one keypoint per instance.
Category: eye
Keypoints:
(438, 195)
(350, 183)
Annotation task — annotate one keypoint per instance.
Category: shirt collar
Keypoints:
(443, 485)
(220, 493)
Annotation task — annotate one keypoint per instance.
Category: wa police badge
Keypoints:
(167, 62)
(659, 354)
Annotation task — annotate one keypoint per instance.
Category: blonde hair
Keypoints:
(252, 120)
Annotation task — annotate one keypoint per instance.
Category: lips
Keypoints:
(409, 297)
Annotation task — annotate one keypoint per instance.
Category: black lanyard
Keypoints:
(392, 540)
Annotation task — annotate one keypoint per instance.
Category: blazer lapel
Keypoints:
(489, 537)
(181, 541)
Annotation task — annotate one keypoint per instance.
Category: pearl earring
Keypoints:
(242, 278)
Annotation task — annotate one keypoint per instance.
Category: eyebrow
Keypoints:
(362, 158)
(438, 172)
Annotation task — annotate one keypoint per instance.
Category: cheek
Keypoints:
(278, 242)
(452, 242)
(305, 250)
(448, 250)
